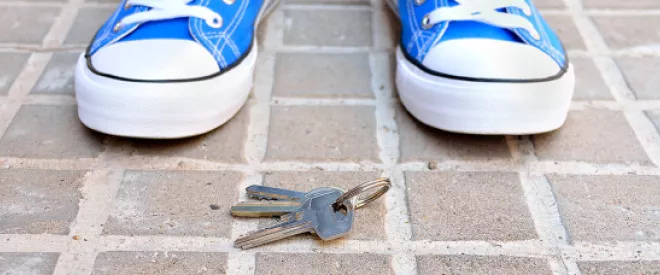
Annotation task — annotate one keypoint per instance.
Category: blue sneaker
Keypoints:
(169, 68)
(482, 66)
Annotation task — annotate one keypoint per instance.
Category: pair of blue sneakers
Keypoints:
(179, 68)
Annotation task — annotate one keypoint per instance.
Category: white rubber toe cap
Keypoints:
(490, 59)
(155, 59)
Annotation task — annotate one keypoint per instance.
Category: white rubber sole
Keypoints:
(481, 107)
(163, 110)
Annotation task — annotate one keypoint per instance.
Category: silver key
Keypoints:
(277, 207)
(327, 212)
(260, 192)
(316, 215)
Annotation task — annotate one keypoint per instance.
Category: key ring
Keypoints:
(382, 183)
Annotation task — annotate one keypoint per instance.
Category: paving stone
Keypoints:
(86, 24)
(655, 118)
(388, 34)
(26, 24)
(543, 4)
(192, 203)
(565, 28)
(317, 264)
(57, 77)
(223, 144)
(330, 2)
(421, 142)
(12, 64)
(589, 83)
(639, 75)
(463, 264)
(341, 28)
(160, 262)
(38, 201)
(322, 75)
(322, 133)
(28, 263)
(616, 4)
(369, 221)
(41, 131)
(606, 208)
(103, 1)
(628, 31)
(619, 268)
(454, 206)
(584, 137)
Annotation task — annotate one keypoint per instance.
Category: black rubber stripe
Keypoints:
(412, 60)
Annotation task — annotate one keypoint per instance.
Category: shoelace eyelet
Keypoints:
(426, 22)
(127, 6)
(419, 2)
(117, 27)
(215, 22)
(229, 2)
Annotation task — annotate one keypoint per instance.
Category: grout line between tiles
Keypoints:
(397, 220)
(585, 251)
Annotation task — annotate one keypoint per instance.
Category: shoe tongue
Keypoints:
(474, 29)
(163, 29)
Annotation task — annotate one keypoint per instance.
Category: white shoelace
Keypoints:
(170, 9)
(484, 11)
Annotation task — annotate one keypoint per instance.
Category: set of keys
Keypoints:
(327, 212)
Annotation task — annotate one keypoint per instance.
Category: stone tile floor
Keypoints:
(582, 200)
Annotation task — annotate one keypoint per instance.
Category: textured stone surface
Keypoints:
(615, 4)
(628, 31)
(549, 3)
(602, 208)
(421, 142)
(429, 264)
(174, 203)
(585, 137)
(589, 83)
(28, 263)
(316, 264)
(340, 28)
(325, 133)
(87, 24)
(12, 64)
(453, 206)
(57, 77)
(24, 24)
(160, 262)
(325, 111)
(322, 75)
(639, 76)
(40, 131)
(564, 27)
(38, 202)
(619, 268)
(655, 118)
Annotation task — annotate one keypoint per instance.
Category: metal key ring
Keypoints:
(382, 183)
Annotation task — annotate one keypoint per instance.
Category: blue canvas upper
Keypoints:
(227, 44)
(417, 41)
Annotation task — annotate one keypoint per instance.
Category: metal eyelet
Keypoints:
(419, 2)
(215, 22)
(229, 2)
(127, 6)
(426, 22)
(117, 27)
